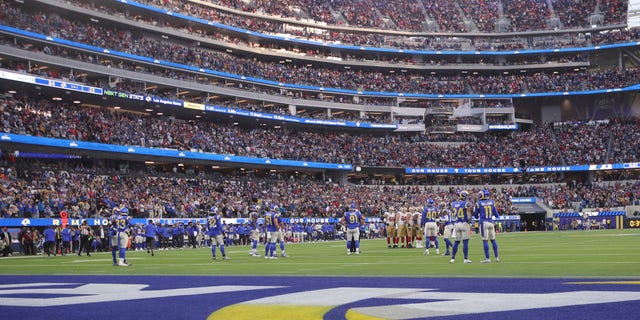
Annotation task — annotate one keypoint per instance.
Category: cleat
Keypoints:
(255, 255)
(357, 252)
(214, 258)
(437, 251)
(446, 253)
(395, 246)
(122, 263)
(225, 258)
(497, 259)
(266, 257)
(452, 261)
(426, 252)
(348, 252)
(409, 246)
(485, 261)
(467, 261)
(152, 254)
(389, 246)
(284, 255)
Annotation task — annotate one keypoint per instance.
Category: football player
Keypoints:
(119, 236)
(446, 218)
(255, 230)
(461, 218)
(272, 223)
(429, 221)
(281, 231)
(485, 211)
(411, 227)
(214, 224)
(390, 221)
(352, 220)
(418, 230)
(402, 225)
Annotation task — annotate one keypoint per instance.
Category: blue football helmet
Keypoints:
(484, 194)
(463, 194)
(430, 202)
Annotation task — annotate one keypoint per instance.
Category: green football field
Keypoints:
(597, 254)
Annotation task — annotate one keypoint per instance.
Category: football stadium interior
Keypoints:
(171, 112)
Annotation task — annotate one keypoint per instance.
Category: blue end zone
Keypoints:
(197, 297)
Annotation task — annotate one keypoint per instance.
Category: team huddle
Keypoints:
(407, 225)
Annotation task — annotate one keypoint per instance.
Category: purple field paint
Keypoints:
(196, 297)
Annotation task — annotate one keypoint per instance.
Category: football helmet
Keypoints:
(463, 194)
(484, 194)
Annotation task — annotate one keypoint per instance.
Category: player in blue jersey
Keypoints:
(49, 241)
(150, 232)
(65, 236)
(486, 213)
(352, 219)
(119, 236)
(461, 218)
(216, 232)
(429, 221)
(446, 218)
(255, 231)
(281, 232)
(272, 224)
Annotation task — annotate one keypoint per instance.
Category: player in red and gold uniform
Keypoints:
(417, 228)
(390, 221)
(402, 226)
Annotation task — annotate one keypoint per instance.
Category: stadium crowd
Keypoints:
(39, 188)
(294, 73)
(549, 145)
(525, 15)
(344, 37)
